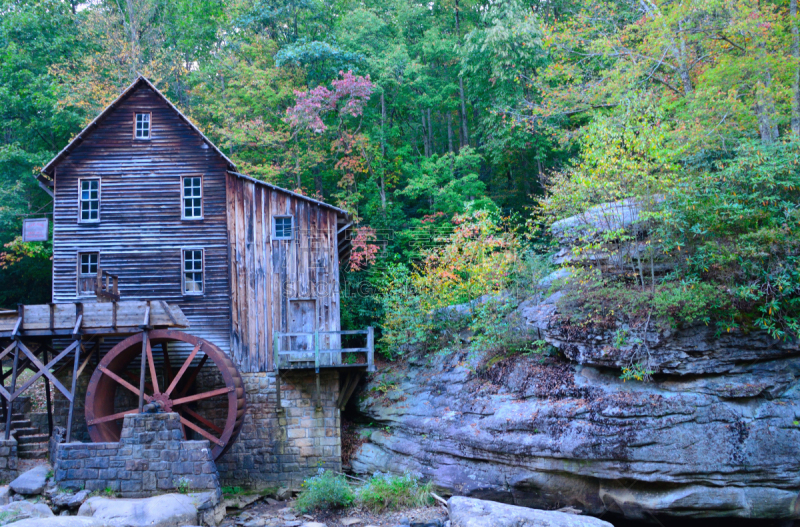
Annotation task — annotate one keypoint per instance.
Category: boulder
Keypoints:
(69, 500)
(32, 481)
(167, 510)
(470, 512)
(62, 521)
(541, 434)
(5, 495)
(22, 510)
(623, 214)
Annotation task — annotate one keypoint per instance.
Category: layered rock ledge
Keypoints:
(724, 443)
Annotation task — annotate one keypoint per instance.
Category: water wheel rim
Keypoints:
(99, 403)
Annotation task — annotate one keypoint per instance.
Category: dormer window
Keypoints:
(282, 227)
(142, 130)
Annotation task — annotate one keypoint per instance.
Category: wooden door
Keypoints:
(302, 318)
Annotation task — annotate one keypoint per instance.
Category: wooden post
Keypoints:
(13, 389)
(276, 365)
(316, 367)
(74, 386)
(370, 348)
(47, 394)
(141, 375)
(145, 326)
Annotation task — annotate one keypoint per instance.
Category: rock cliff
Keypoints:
(717, 433)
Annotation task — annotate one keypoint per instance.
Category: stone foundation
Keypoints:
(150, 459)
(283, 448)
(272, 450)
(8, 459)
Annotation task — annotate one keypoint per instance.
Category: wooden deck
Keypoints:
(90, 318)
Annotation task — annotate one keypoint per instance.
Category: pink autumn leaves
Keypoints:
(348, 96)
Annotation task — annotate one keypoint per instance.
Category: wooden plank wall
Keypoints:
(141, 233)
(265, 274)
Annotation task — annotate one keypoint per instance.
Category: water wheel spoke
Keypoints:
(192, 376)
(123, 382)
(183, 369)
(214, 439)
(152, 365)
(133, 378)
(199, 396)
(113, 417)
(167, 364)
(202, 420)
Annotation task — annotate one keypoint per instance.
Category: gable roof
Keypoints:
(45, 178)
(78, 139)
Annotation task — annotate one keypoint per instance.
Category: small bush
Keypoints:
(326, 490)
(387, 491)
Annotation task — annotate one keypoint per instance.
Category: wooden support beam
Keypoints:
(13, 385)
(350, 386)
(142, 366)
(47, 373)
(319, 397)
(74, 385)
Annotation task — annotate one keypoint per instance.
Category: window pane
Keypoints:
(90, 200)
(283, 228)
(142, 125)
(193, 271)
(192, 197)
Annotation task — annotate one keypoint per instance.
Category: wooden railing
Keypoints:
(317, 355)
(107, 285)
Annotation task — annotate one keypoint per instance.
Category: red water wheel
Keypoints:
(183, 374)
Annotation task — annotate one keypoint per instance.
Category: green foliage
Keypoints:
(391, 492)
(183, 485)
(326, 490)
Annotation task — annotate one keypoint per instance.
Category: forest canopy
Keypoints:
(420, 118)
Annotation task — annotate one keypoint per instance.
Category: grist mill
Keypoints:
(181, 284)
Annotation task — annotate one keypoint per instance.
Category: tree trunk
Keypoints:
(464, 132)
(134, 31)
(795, 69)
(450, 132)
(383, 125)
(430, 132)
(318, 182)
(683, 68)
(764, 107)
(425, 143)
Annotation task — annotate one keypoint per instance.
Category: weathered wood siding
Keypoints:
(266, 274)
(140, 234)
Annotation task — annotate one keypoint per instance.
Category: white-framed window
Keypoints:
(192, 192)
(141, 126)
(193, 283)
(87, 273)
(89, 200)
(282, 227)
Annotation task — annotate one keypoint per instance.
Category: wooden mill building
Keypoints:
(147, 208)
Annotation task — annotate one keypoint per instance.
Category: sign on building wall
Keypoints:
(35, 230)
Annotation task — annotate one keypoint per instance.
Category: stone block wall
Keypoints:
(8, 459)
(284, 448)
(273, 450)
(151, 458)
